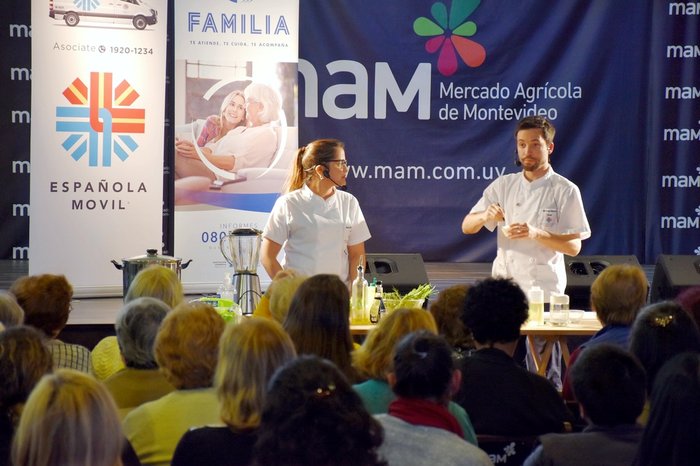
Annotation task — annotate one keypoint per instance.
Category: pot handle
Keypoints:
(184, 266)
(117, 265)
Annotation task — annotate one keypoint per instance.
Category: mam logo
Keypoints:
(99, 121)
(448, 34)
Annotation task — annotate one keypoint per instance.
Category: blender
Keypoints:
(241, 249)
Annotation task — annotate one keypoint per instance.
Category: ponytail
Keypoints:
(296, 177)
(317, 152)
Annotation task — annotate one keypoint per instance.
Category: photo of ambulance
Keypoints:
(136, 12)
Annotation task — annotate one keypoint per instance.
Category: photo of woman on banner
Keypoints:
(241, 146)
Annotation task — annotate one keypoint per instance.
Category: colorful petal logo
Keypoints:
(98, 121)
(448, 35)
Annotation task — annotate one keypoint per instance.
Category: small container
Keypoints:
(558, 309)
(535, 296)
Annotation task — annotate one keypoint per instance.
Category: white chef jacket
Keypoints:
(551, 203)
(315, 233)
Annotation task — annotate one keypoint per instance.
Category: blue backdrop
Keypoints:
(426, 96)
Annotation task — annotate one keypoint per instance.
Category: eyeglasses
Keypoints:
(340, 163)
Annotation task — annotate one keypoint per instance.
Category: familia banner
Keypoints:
(426, 96)
(96, 189)
(235, 124)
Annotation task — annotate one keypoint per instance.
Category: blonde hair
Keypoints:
(69, 419)
(249, 353)
(618, 293)
(281, 291)
(224, 103)
(11, 313)
(187, 344)
(374, 358)
(156, 281)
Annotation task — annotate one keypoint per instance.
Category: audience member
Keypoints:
(447, 311)
(318, 321)
(140, 381)
(69, 419)
(610, 387)
(11, 313)
(617, 294)
(419, 429)
(249, 353)
(501, 397)
(661, 331)
(46, 301)
(24, 359)
(155, 281)
(689, 299)
(311, 415)
(671, 437)
(275, 302)
(373, 360)
(186, 350)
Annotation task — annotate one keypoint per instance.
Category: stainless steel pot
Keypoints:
(133, 265)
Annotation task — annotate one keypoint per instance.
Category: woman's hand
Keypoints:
(186, 149)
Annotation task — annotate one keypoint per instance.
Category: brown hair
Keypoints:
(447, 311)
(318, 320)
(318, 152)
(45, 300)
(537, 122)
(374, 358)
(618, 293)
(187, 345)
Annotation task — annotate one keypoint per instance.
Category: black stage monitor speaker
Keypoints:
(582, 270)
(401, 271)
(672, 275)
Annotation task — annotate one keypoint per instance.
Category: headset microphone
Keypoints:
(327, 174)
(517, 160)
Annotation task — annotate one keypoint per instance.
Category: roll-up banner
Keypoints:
(96, 188)
(235, 124)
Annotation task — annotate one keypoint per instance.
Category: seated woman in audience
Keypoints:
(661, 331)
(11, 313)
(69, 419)
(447, 311)
(373, 360)
(617, 295)
(311, 415)
(140, 381)
(154, 281)
(671, 437)
(689, 299)
(186, 350)
(46, 301)
(24, 359)
(318, 321)
(275, 302)
(249, 353)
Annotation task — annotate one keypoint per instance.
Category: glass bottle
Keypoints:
(379, 302)
(357, 296)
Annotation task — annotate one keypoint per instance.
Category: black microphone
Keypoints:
(517, 159)
(327, 174)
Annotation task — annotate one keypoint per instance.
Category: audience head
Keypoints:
(11, 313)
(23, 361)
(671, 437)
(318, 153)
(249, 353)
(374, 358)
(423, 368)
(187, 344)
(609, 383)
(312, 415)
(618, 293)
(136, 328)
(447, 311)
(661, 331)
(689, 299)
(494, 310)
(69, 419)
(281, 291)
(46, 301)
(269, 98)
(156, 281)
(318, 320)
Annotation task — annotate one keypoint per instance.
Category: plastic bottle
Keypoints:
(357, 297)
(535, 296)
